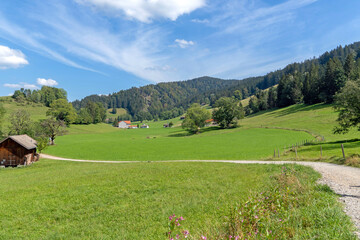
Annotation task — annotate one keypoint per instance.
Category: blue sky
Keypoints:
(103, 46)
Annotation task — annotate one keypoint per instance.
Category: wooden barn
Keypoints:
(18, 150)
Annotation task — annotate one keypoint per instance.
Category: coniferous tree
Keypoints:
(333, 80)
(350, 70)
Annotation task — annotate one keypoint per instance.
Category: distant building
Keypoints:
(18, 150)
(124, 124)
(144, 126)
(210, 122)
(166, 125)
(133, 126)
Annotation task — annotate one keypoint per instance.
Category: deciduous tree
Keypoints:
(51, 128)
(228, 112)
(195, 118)
(348, 104)
(20, 123)
(63, 111)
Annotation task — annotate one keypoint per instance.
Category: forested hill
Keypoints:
(150, 101)
(166, 100)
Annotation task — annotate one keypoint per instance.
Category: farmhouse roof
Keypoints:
(127, 122)
(23, 140)
(209, 120)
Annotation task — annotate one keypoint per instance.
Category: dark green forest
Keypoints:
(311, 81)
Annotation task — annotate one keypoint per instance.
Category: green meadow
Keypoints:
(36, 111)
(319, 120)
(66, 200)
(158, 143)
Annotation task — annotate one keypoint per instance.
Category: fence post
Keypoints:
(343, 152)
(274, 153)
(278, 153)
(296, 153)
(320, 152)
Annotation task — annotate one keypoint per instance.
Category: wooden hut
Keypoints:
(18, 150)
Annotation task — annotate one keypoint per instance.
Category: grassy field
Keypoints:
(119, 111)
(158, 143)
(318, 119)
(36, 111)
(65, 200)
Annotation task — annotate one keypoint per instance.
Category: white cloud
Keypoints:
(146, 10)
(183, 43)
(11, 58)
(46, 82)
(20, 85)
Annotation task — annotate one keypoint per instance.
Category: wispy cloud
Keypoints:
(200, 20)
(33, 40)
(11, 58)
(230, 47)
(21, 85)
(145, 11)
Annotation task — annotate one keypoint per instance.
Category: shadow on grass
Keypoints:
(353, 143)
(187, 134)
(299, 108)
(280, 112)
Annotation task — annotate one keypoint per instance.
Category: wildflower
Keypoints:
(186, 233)
(177, 236)
(230, 237)
(181, 218)
(203, 237)
(256, 216)
(280, 220)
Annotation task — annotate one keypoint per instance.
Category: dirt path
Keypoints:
(343, 180)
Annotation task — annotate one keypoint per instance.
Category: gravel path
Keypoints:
(343, 180)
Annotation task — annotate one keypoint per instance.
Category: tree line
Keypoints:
(158, 101)
(319, 84)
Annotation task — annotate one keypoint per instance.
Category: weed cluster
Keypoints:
(263, 214)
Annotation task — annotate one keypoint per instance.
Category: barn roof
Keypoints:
(127, 122)
(24, 140)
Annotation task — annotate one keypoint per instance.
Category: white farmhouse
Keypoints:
(124, 124)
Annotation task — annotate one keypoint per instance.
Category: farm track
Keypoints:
(343, 180)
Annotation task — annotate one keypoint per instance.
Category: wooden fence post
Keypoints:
(320, 152)
(296, 153)
(343, 152)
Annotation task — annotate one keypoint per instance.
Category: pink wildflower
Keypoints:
(203, 237)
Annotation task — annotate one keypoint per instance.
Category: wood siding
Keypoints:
(13, 154)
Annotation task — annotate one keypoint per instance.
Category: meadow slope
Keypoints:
(62, 200)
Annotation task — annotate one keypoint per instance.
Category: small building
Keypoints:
(210, 122)
(133, 126)
(144, 126)
(166, 125)
(124, 124)
(18, 150)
